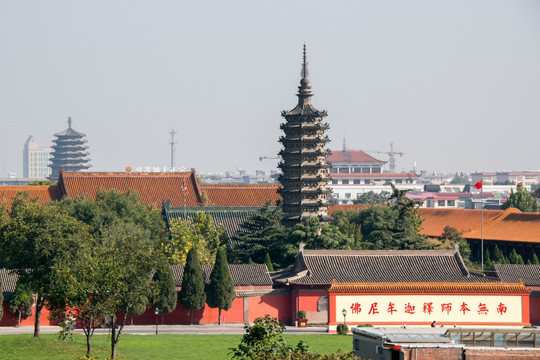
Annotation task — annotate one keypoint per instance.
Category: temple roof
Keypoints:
(44, 193)
(242, 274)
(463, 220)
(529, 274)
(229, 217)
(153, 188)
(241, 195)
(429, 287)
(321, 267)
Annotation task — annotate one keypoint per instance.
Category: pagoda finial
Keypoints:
(344, 144)
(305, 73)
(69, 122)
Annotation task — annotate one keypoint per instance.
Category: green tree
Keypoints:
(488, 264)
(35, 239)
(220, 290)
(192, 294)
(460, 178)
(515, 258)
(498, 256)
(265, 339)
(199, 232)
(372, 198)
(21, 302)
(165, 297)
(535, 260)
(522, 200)
(268, 263)
(453, 236)
(112, 206)
(259, 235)
(314, 235)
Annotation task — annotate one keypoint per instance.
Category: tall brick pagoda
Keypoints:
(69, 152)
(305, 170)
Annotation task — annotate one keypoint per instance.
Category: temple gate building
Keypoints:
(69, 152)
(304, 166)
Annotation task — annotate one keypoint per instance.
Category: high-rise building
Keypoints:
(69, 152)
(36, 160)
(304, 166)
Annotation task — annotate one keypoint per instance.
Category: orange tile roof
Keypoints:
(462, 219)
(511, 288)
(152, 188)
(352, 156)
(44, 193)
(513, 225)
(241, 195)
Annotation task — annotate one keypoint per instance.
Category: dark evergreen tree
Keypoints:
(535, 259)
(487, 261)
(192, 295)
(498, 256)
(522, 200)
(515, 258)
(268, 263)
(220, 291)
(371, 198)
(21, 302)
(165, 297)
(259, 235)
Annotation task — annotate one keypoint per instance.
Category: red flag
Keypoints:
(478, 185)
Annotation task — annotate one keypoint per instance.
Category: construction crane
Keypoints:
(391, 154)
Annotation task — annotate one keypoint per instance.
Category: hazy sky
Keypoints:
(454, 84)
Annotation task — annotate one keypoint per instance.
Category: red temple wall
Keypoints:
(10, 319)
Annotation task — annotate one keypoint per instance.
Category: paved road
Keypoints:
(165, 329)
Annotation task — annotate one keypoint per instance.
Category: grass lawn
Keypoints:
(153, 347)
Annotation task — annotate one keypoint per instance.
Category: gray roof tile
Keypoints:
(242, 274)
(530, 274)
(320, 267)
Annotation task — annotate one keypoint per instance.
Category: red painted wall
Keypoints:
(275, 306)
(11, 320)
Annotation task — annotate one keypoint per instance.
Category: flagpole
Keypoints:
(482, 226)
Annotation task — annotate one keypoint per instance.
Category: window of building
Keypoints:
(334, 181)
(345, 181)
(347, 195)
(451, 202)
(343, 170)
(376, 170)
(398, 181)
(357, 170)
(367, 181)
(333, 170)
(440, 202)
(356, 181)
(366, 170)
(336, 195)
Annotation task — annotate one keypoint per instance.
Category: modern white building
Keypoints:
(36, 160)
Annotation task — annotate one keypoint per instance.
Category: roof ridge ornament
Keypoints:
(69, 122)
(305, 72)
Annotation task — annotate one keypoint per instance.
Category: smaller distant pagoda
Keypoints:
(69, 152)
(304, 165)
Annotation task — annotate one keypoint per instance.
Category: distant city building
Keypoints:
(527, 178)
(36, 160)
(305, 170)
(353, 162)
(69, 152)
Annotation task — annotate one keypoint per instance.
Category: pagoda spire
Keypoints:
(304, 90)
(69, 122)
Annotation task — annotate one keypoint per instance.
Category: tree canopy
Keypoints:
(220, 291)
(36, 238)
(522, 200)
(192, 294)
(372, 198)
(199, 232)
(21, 302)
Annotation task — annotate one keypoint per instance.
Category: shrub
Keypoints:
(365, 325)
(302, 314)
(342, 329)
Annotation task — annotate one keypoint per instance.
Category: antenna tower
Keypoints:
(173, 148)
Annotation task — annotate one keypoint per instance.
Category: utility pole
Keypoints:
(173, 148)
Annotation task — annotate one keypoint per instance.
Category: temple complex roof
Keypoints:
(529, 274)
(44, 193)
(322, 267)
(352, 156)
